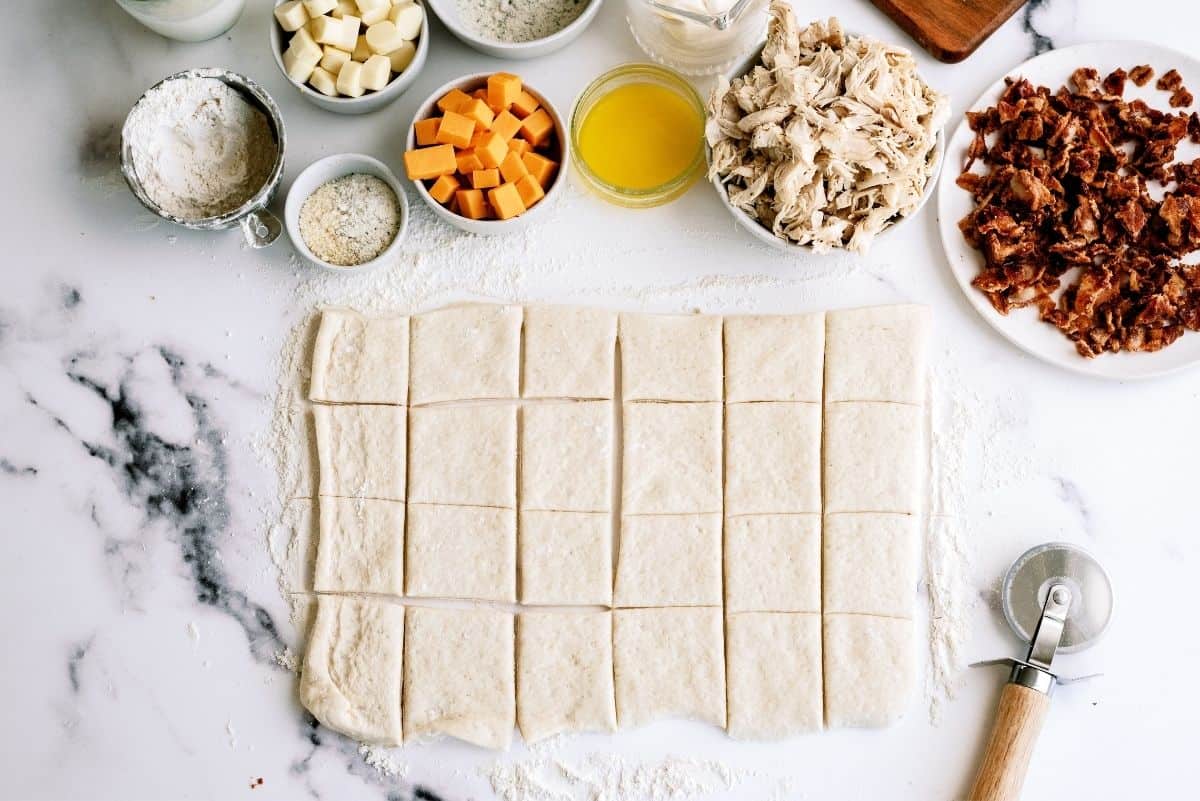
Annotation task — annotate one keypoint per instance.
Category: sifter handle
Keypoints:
(1019, 718)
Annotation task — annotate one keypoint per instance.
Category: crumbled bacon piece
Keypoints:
(1064, 217)
(1170, 81)
(1181, 98)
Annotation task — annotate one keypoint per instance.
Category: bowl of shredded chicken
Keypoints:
(823, 140)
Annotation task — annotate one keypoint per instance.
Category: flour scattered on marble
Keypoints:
(382, 760)
(609, 777)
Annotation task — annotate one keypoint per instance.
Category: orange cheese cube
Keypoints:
(468, 162)
(519, 146)
(479, 136)
(540, 167)
(512, 168)
(430, 162)
(523, 105)
(492, 150)
(537, 127)
(485, 179)
(477, 110)
(506, 125)
(471, 203)
(455, 129)
(453, 100)
(426, 131)
(506, 201)
(530, 190)
(443, 188)
(502, 89)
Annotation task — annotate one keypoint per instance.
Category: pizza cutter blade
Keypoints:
(1057, 598)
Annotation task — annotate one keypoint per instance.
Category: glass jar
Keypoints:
(697, 37)
(185, 20)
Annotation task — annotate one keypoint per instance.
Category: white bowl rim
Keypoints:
(410, 142)
(277, 34)
(461, 31)
(348, 161)
(764, 234)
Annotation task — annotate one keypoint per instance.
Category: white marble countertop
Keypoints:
(141, 618)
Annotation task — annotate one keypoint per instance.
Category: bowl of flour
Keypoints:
(204, 149)
(516, 29)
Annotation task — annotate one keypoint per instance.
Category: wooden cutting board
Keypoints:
(949, 29)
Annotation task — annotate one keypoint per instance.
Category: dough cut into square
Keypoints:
(669, 663)
(464, 455)
(564, 674)
(569, 352)
(877, 354)
(773, 563)
(360, 359)
(360, 451)
(669, 560)
(361, 546)
(462, 552)
(774, 358)
(871, 564)
(671, 462)
(774, 675)
(465, 353)
(352, 668)
(772, 458)
(459, 675)
(870, 670)
(873, 457)
(566, 456)
(566, 558)
(671, 357)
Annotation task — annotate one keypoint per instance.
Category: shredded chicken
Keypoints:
(830, 139)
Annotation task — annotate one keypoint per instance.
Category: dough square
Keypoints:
(564, 674)
(870, 669)
(773, 563)
(569, 352)
(873, 456)
(463, 455)
(361, 546)
(671, 357)
(352, 667)
(871, 564)
(772, 458)
(566, 558)
(671, 458)
(669, 663)
(458, 675)
(774, 675)
(360, 451)
(774, 357)
(465, 353)
(669, 560)
(462, 552)
(567, 456)
(876, 354)
(359, 359)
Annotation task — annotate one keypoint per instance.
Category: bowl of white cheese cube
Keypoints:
(350, 56)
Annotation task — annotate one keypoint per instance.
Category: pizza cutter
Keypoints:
(1059, 599)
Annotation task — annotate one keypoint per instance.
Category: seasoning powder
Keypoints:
(350, 220)
(519, 20)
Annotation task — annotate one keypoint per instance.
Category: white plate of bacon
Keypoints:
(1069, 208)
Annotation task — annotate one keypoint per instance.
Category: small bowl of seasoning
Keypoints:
(637, 133)
(516, 29)
(346, 212)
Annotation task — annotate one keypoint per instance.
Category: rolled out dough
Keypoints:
(462, 552)
(876, 354)
(772, 458)
(671, 461)
(464, 455)
(871, 564)
(774, 675)
(361, 451)
(873, 457)
(361, 546)
(870, 669)
(774, 358)
(566, 456)
(569, 352)
(773, 563)
(465, 353)
(564, 673)
(352, 668)
(669, 560)
(566, 558)
(360, 359)
(671, 357)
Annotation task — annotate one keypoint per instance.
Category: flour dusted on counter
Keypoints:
(519, 20)
(199, 148)
(350, 220)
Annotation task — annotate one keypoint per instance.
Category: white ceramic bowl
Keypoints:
(447, 12)
(327, 169)
(764, 234)
(469, 84)
(371, 101)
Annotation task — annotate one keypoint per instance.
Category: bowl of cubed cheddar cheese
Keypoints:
(487, 153)
(350, 56)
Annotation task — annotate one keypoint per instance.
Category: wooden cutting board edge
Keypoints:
(944, 42)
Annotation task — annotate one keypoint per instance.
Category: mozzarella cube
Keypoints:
(402, 56)
(349, 79)
(383, 37)
(376, 72)
(407, 18)
(327, 30)
(361, 50)
(304, 47)
(333, 59)
(349, 35)
(299, 65)
(316, 8)
(324, 82)
(291, 15)
(373, 11)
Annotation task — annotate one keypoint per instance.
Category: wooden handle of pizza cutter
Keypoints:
(1019, 718)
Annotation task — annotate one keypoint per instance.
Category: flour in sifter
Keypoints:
(519, 20)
